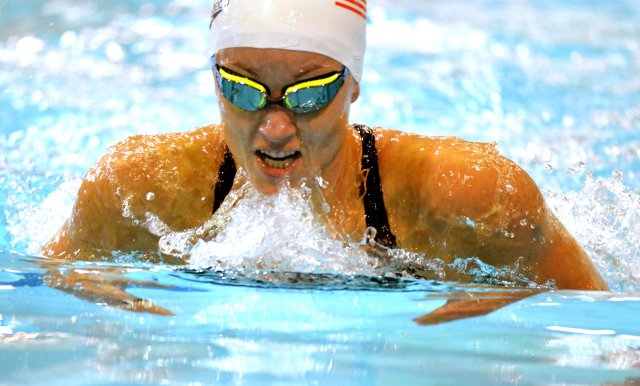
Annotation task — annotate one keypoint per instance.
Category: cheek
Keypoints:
(235, 121)
(238, 130)
(326, 130)
(324, 138)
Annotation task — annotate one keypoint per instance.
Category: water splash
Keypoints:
(505, 276)
(608, 350)
(36, 210)
(279, 232)
(604, 217)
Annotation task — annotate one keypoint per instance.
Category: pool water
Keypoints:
(555, 84)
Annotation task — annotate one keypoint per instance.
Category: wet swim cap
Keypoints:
(335, 28)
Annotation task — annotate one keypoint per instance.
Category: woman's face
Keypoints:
(275, 144)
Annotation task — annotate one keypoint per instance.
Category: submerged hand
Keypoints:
(467, 304)
(100, 286)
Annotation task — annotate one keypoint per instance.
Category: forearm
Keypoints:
(562, 259)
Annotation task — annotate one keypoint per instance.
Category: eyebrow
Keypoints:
(240, 70)
(310, 69)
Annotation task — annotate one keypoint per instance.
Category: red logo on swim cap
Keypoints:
(359, 7)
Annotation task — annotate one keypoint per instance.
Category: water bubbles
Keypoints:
(506, 276)
(31, 224)
(322, 182)
(604, 218)
(149, 220)
(277, 232)
(507, 234)
(150, 196)
(578, 168)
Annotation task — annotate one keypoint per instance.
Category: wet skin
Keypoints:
(313, 142)
(444, 196)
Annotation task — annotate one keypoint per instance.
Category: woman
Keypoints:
(286, 74)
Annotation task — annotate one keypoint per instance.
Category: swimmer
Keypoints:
(286, 73)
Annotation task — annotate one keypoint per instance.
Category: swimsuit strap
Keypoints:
(374, 210)
(226, 174)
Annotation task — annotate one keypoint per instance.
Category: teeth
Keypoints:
(277, 164)
(278, 154)
(278, 159)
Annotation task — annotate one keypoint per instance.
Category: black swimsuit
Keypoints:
(375, 212)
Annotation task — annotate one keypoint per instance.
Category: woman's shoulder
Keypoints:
(451, 175)
(206, 139)
(161, 173)
(437, 154)
(163, 153)
(396, 142)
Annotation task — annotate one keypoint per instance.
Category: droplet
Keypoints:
(322, 182)
(150, 196)
(576, 169)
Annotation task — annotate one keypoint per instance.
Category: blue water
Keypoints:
(555, 84)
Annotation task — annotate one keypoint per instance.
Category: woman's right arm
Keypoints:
(144, 186)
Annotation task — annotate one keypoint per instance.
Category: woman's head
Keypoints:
(285, 81)
(336, 29)
(274, 143)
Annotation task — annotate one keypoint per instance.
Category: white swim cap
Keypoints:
(335, 28)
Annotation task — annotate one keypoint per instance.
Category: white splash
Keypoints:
(611, 351)
(278, 232)
(605, 219)
(35, 224)
(282, 233)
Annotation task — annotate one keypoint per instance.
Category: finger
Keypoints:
(475, 304)
(103, 290)
(107, 294)
(143, 305)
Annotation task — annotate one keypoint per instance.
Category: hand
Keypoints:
(102, 286)
(468, 304)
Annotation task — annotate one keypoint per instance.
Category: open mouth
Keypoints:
(278, 159)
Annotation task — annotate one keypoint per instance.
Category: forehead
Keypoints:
(268, 62)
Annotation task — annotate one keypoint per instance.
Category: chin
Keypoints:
(267, 189)
(274, 186)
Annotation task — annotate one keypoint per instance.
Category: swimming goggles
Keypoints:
(302, 97)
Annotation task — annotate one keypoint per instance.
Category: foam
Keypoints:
(252, 231)
(604, 216)
(278, 232)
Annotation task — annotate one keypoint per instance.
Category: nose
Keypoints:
(277, 127)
